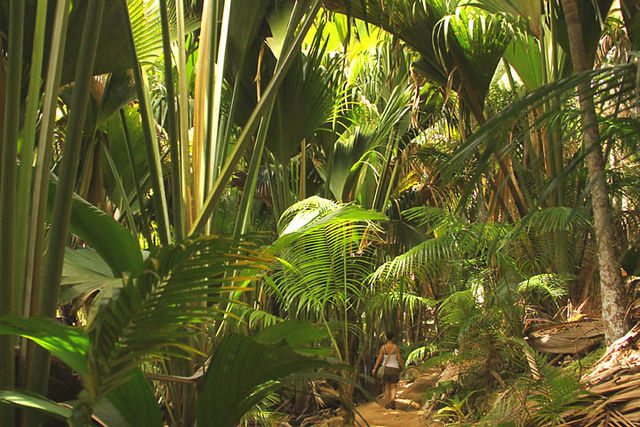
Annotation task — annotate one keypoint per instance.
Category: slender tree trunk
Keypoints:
(611, 284)
(8, 187)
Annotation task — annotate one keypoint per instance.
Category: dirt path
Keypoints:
(377, 416)
(406, 415)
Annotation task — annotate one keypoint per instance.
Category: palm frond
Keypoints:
(152, 313)
(421, 353)
(550, 286)
(558, 218)
(609, 86)
(458, 308)
(324, 259)
(397, 299)
(416, 259)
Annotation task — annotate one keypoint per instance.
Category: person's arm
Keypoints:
(400, 362)
(377, 361)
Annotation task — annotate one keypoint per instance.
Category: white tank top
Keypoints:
(390, 360)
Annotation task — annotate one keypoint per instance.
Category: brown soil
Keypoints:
(410, 397)
(378, 416)
(408, 403)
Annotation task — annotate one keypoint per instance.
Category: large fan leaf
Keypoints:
(458, 44)
(85, 271)
(113, 45)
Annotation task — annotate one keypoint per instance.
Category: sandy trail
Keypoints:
(378, 416)
(406, 414)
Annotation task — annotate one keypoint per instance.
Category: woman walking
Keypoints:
(392, 364)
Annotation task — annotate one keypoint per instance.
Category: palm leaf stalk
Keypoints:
(205, 75)
(392, 180)
(153, 156)
(62, 206)
(138, 183)
(245, 137)
(28, 143)
(215, 144)
(246, 203)
(8, 186)
(118, 179)
(172, 127)
(226, 121)
(392, 148)
(35, 242)
(183, 114)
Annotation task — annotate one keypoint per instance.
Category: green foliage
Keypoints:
(455, 408)
(120, 251)
(421, 353)
(35, 402)
(398, 299)
(244, 371)
(147, 318)
(541, 399)
(66, 343)
(131, 404)
(152, 314)
(549, 286)
(324, 263)
(582, 364)
(555, 393)
(84, 272)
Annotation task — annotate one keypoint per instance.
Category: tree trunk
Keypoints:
(611, 284)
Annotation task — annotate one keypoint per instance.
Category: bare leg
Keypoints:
(387, 394)
(393, 389)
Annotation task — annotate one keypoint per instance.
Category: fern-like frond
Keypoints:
(152, 313)
(550, 286)
(558, 218)
(325, 258)
(397, 299)
(421, 353)
(416, 259)
(458, 308)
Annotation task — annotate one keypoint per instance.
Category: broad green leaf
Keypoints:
(35, 402)
(523, 53)
(66, 343)
(115, 244)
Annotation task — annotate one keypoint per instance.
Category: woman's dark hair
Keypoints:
(389, 335)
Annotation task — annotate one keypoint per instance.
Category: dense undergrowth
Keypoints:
(211, 211)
